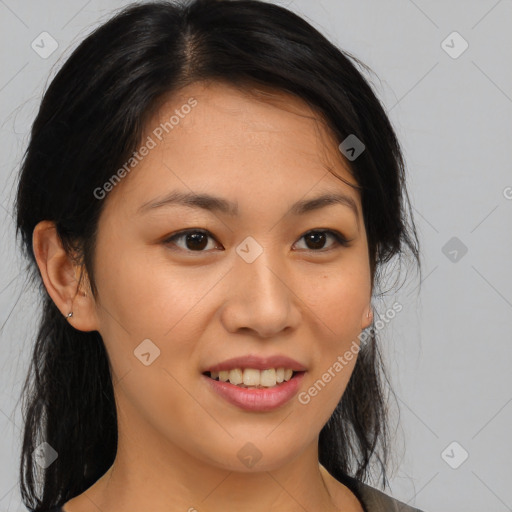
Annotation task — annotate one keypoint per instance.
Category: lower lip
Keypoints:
(257, 399)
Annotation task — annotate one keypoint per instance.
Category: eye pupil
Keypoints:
(317, 238)
(195, 238)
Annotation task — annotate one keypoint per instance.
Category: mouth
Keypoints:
(255, 390)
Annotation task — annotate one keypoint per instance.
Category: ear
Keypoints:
(60, 275)
(367, 317)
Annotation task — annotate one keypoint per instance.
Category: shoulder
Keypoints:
(371, 499)
(375, 500)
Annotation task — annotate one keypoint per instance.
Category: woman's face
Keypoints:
(250, 283)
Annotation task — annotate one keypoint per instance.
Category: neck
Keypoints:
(160, 476)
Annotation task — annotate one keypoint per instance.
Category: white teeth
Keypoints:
(251, 377)
(268, 378)
(236, 376)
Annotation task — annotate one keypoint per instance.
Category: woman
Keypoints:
(209, 195)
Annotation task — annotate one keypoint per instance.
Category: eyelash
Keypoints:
(339, 238)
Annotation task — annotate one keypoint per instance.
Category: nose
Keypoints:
(260, 298)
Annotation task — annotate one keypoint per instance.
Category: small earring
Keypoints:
(70, 314)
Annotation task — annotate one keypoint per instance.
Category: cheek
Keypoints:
(145, 298)
(337, 300)
(148, 295)
(339, 297)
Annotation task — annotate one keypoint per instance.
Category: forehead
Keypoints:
(214, 137)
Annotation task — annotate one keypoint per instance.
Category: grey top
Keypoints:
(374, 500)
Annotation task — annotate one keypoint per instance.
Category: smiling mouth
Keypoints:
(254, 379)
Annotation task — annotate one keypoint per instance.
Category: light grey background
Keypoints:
(449, 350)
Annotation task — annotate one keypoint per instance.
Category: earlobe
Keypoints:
(367, 318)
(61, 277)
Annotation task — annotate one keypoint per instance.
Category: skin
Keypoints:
(178, 440)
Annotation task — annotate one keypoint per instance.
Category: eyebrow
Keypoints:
(214, 203)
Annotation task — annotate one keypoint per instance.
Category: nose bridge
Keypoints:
(258, 267)
(261, 298)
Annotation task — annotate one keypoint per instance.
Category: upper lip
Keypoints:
(258, 363)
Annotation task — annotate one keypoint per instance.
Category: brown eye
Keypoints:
(316, 240)
(193, 240)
